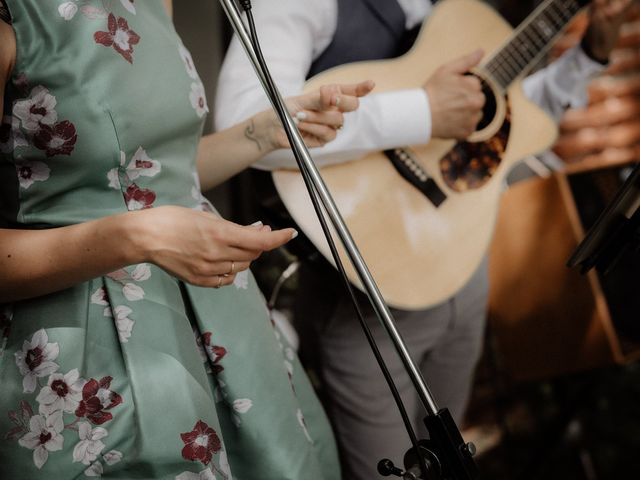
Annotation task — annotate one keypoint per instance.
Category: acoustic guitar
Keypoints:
(423, 216)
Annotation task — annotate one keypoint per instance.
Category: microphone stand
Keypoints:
(445, 454)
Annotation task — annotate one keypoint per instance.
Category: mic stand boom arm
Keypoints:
(440, 421)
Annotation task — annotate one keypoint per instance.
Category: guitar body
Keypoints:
(421, 254)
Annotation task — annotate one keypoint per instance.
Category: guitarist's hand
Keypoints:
(456, 99)
(605, 19)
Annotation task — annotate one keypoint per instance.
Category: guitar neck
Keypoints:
(531, 40)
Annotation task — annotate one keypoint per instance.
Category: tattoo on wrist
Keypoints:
(250, 133)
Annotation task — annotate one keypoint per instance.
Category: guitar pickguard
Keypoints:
(470, 165)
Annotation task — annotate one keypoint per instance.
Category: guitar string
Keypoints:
(551, 13)
(496, 63)
(548, 13)
(537, 28)
(557, 14)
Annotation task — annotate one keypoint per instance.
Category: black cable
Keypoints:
(281, 109)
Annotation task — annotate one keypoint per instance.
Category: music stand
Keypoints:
(616, 230)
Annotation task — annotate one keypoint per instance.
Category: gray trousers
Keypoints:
(445, 342)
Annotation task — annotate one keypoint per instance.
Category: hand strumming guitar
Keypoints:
(456, 99)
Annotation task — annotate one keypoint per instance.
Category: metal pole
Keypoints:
(380, 307)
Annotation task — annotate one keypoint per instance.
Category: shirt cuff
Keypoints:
(405, 117)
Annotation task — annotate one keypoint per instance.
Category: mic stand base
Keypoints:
(445, 453)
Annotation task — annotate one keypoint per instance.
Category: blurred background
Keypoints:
(557, 393)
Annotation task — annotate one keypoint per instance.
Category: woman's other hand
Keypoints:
(318, 114)
(202, 248)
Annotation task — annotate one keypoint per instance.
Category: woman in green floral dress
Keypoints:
(120, 356)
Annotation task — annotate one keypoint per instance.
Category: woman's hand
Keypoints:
(319, 115)
(202, 248)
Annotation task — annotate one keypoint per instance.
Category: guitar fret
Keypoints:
(510, 72)
(542, 27)
(509, 68)
(497, 74)
(556, 23)
(513, 52)
(525, 47)
(563, 13)
(531, 40)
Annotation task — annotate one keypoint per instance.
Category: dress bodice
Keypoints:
(102, 113)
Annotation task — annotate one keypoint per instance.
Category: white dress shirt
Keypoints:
(293, 33)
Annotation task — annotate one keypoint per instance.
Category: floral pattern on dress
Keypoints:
(68, 9)
(58, 139)
(198, 99)
(241, 282)
(122, 178)
(119, 36)
(289, 356)
(188, 61)
(85, 402)
(37, 110)
(205, 474)
(210, 353)
(211, 356)
(62, 393)
(44, 436)
(36, 360)
(197, 95)
(90, 445)
(34, 123)
(131, 291)
(202, 204)
(129, 282)
(97, 399)
(200, 445)
(30, 172)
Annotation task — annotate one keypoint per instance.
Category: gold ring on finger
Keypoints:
(219, 281)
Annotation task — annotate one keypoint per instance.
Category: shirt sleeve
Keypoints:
(563, 83)
(292, 34)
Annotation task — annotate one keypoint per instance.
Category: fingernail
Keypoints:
(294, 234)
(301, 116)
(256, 224)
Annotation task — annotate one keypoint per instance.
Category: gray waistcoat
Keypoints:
(366, 30)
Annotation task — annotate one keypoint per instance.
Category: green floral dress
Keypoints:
(135, 374)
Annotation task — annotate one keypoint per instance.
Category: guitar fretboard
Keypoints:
(531, 40)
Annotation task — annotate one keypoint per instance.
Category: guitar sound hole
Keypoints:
(470, 165)
(490, 106)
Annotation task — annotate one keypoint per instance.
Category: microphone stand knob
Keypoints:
(386, 468)
(469, 448)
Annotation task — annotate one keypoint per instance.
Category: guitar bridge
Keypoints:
(406, 165)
